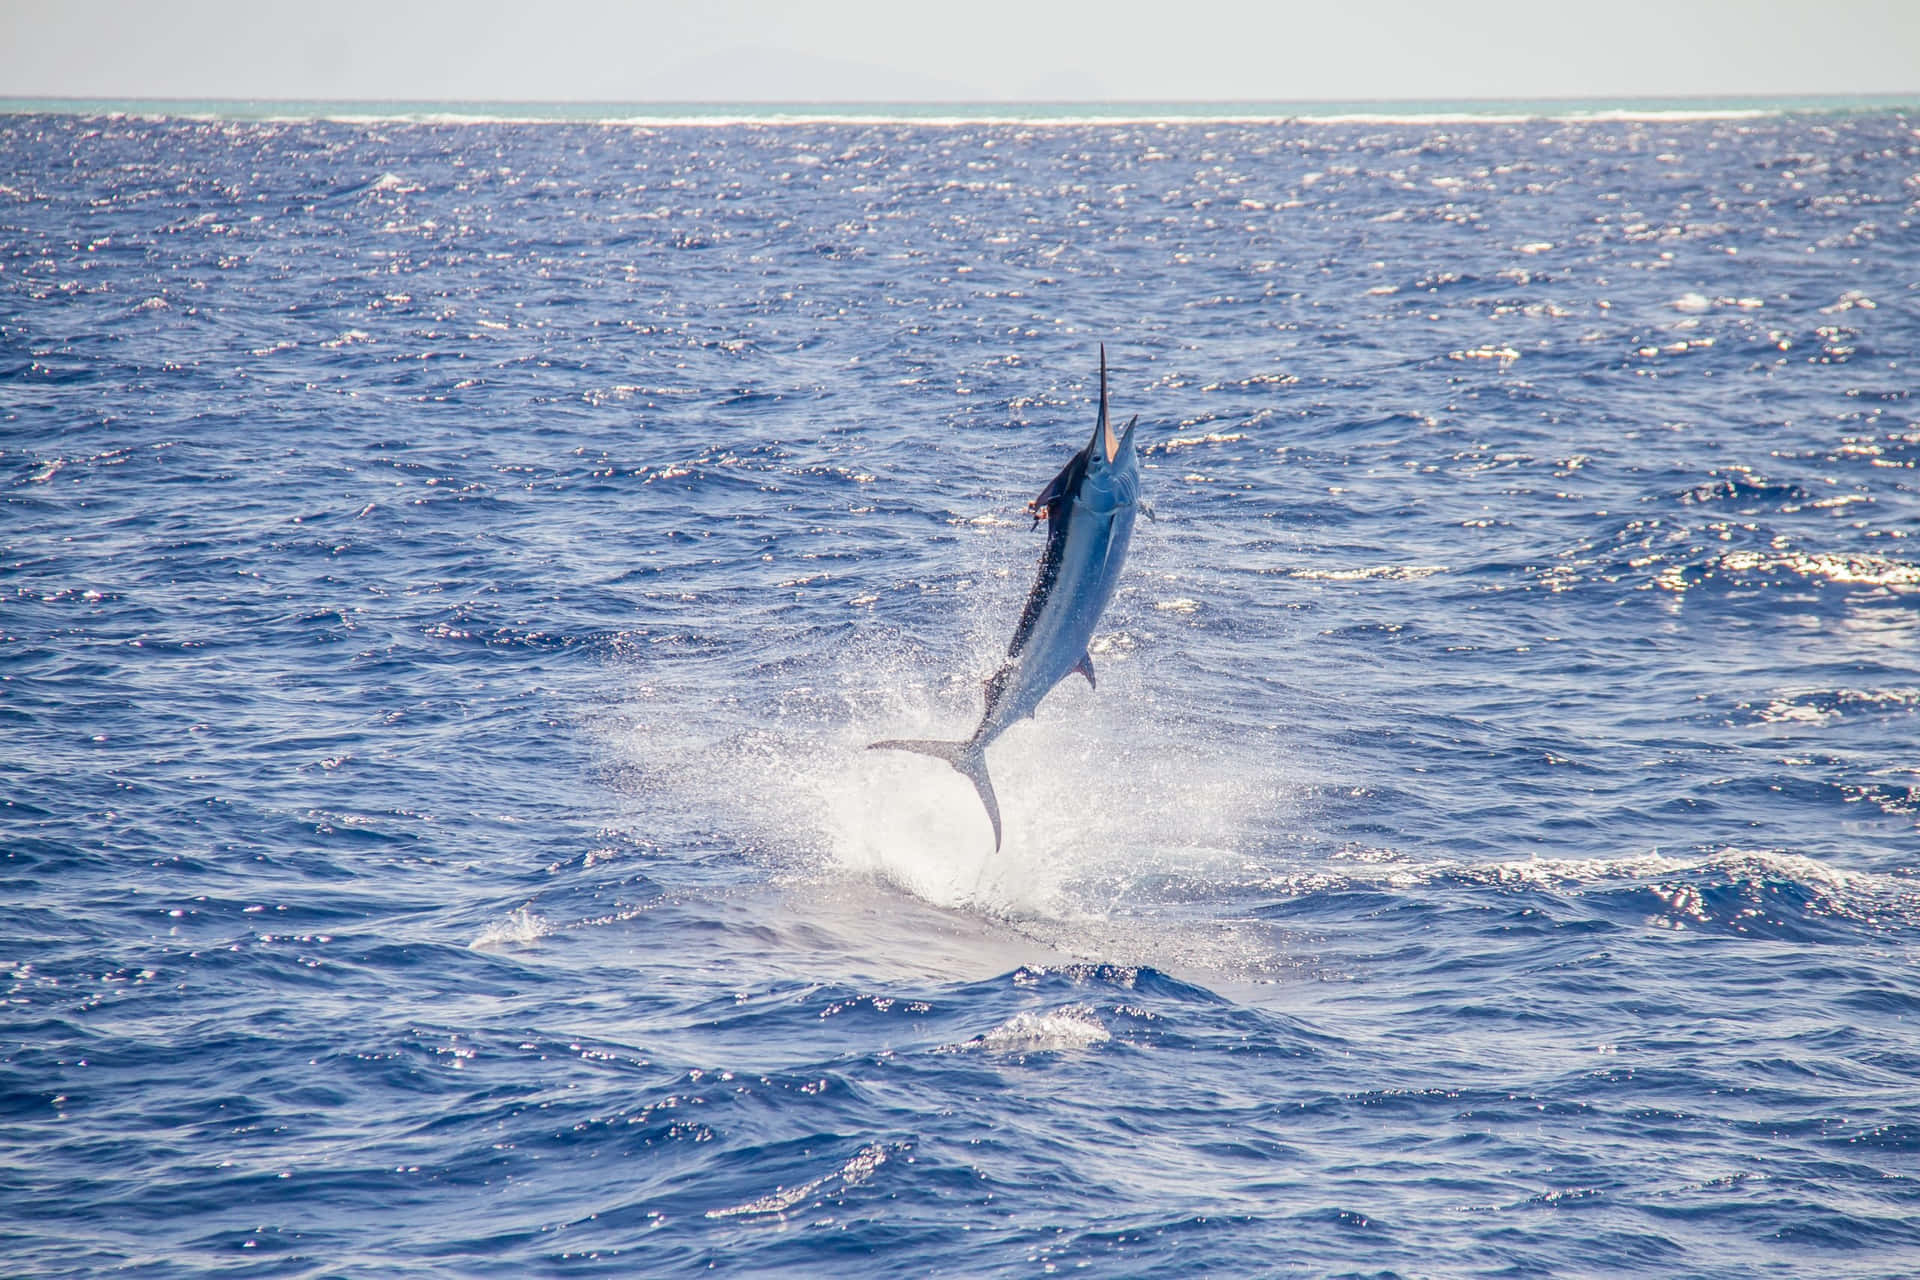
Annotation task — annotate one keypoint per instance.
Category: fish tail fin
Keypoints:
(970, 760)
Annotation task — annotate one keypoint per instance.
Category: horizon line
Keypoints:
(1895, 95)
(686, 113)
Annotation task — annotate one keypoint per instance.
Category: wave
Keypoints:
(521, 928)
(1824, 706)
(1749, 568)
(1771, 893)
(777, 1202)
(1040, 1031)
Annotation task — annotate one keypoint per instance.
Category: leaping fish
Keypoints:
(1089, 509)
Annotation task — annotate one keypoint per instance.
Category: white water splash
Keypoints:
(1099, 791)
(521, 928)
(1040, 1031)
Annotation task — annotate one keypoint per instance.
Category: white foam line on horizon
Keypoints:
(1134, 119)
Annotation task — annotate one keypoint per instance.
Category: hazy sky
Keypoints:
(843, 50)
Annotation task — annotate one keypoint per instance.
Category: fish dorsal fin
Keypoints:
(1126, 437)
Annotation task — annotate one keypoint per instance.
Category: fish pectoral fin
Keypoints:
(1057, 488)
(1146, 509)
(1085, 668)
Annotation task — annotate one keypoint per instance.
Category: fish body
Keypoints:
(1089, 509)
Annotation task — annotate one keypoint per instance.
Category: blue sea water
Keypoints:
(449, 574)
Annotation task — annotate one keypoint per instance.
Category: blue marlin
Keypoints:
(1089, 509)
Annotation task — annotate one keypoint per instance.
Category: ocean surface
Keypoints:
(449, 573)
